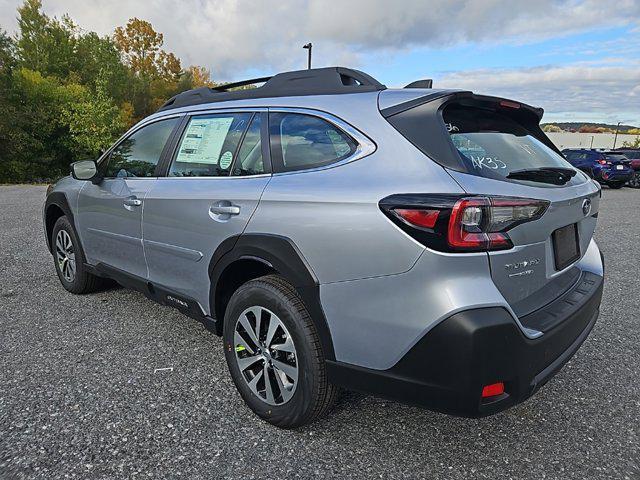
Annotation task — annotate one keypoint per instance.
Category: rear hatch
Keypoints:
(494, 148)
(618, 161)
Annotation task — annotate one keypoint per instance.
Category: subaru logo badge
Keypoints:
(586, 206)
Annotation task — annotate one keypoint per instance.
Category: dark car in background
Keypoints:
(608, 168)
(633, 154)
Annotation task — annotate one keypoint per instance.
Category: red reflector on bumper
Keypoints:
(493, 390)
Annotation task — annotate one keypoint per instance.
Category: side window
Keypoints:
(209, 145)
(301, 141)
(249, 160)
(138, 154)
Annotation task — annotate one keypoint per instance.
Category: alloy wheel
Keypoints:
(65, 255)
(266, 355)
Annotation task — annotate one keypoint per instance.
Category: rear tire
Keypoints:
(635, 180)
(282, 348)
(69, 260)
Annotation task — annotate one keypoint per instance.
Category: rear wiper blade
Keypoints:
(552, 175)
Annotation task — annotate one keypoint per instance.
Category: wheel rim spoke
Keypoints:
(247, 362)
(268, 389)
(65, 256)
(273, 326)
(289, 370)
(287, 346)
(286, 393)
(253, 384)
(244, 321)
(239, 341)
(274, 380)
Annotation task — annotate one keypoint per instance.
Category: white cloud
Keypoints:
(231, 36)
(607, 92)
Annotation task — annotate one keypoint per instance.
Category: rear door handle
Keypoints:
(132, 202)
(225, 210)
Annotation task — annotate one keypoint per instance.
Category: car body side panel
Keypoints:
(333, 216)
(110, 231)
(181, 234)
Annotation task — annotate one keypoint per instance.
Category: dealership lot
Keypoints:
(112, 385)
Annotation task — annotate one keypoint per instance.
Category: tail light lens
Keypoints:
(467, 224)
(602, 161)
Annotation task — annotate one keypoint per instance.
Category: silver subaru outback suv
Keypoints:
(430, 246)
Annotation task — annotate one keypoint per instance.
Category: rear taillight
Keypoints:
(603, 162)
(468, 224)
(418, 217)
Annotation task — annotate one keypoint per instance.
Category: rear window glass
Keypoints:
(303, 141)
(617, 158)
(494, 145)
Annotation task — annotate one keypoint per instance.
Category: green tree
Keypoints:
(45, 45)
(632, 144)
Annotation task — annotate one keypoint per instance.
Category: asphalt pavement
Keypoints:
(111, 385)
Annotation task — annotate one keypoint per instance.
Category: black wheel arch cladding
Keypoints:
(56, 201)
(280, 255)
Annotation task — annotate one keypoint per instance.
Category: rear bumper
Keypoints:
(616, 175)
(446, 370)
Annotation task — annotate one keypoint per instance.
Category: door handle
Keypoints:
(132, 202)
(225, 209)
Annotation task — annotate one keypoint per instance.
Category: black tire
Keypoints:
(313, 396)
(82, 281)
(635, 180)
(616, 185)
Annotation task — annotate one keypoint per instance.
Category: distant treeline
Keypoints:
(66, 94)
(589, 127)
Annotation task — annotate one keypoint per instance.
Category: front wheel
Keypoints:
(69, 260)
(634, 182)
(274, 354)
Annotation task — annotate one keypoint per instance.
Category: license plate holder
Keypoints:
(566, 245)
(619, 167)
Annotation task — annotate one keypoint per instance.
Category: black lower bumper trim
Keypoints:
(447, 369)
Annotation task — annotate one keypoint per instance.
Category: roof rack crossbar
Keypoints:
(241, 83)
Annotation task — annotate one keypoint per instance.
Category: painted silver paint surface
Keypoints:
(381, 290)
(182, 227)
(388, 315)
(532, 240)
(110, 228)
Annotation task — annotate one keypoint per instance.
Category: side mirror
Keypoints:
(85, 170)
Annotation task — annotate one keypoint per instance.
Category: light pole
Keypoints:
(616, 137)
(308, 46)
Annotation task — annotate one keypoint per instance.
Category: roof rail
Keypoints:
(315, 81)
(424, 83)
(242, 83)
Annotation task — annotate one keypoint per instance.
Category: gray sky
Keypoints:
(579, 59)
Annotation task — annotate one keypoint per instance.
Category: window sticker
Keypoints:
(225, 160)
(203, 140)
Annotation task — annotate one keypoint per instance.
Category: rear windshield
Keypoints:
(494, 145)
(617, 157)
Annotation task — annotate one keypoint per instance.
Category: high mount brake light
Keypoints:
(461, 224)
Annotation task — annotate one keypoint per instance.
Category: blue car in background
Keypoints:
(608, 168)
